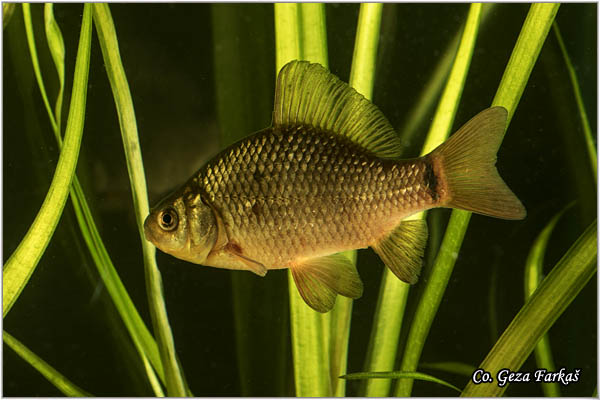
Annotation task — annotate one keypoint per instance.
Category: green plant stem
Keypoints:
(549, 301)
(22, 262)
(533, 278)
(431, 298)
(384, 334)
(107, 37)
(400, 374)
(8, 9)
(53, 376)
(56, 45)
(444, 263)
(435, 84)
(35, 62)
(525, 53)
(313, 33)
(287, 34)
(140, 335)
(362, 73)
(453, 367)
(516, 74)
(310, 330)
(362, 77)
(244, 85)
(587, 130)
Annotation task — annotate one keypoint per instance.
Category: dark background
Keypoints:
(65, 315)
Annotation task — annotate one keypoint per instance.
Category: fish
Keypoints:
(324, 178)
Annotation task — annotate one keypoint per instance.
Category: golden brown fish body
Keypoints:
(325, 178)
(292, 193)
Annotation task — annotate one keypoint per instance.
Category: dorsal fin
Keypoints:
(308, 94)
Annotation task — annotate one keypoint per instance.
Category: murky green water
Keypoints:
(65, 315)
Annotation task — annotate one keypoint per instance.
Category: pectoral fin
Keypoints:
(402, 250)
(319, 280)
(230, 257)
(252, 265)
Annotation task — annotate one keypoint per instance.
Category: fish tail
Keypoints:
(465, 170)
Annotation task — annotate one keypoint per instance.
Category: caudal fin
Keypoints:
(465, 167)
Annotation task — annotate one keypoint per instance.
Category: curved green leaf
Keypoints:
(444, 263)
(35, 62)
(516, 75)
(310, 329)
(533, 277)
(549, 301)
(8, 9)
(140, 335)
(53, 376)
(57, 51)
(362, 78)
(587, 130)
(435, 84)
(22, 262)
(399, 374)
(107, 37)
(453, 367)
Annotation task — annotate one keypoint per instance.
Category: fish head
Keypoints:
(183, 226)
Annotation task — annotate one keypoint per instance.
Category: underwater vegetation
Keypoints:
(90, 308)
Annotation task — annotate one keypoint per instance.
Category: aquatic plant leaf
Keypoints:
(539, 313)
(244, 86)
(438, 132)
(516, 74)
(362, 79)
(36, 64)
(313, 33)
(57, 51)
(525, 53)
(418, 113)
(287, 34)
(8, 9)
(392, 292)
(533, 277)
(107, 37)
(587, 130)
(140, 335)
(310, 329)
(399, 374)
(53, 376)
(340, 318)
(385, 332)
(364, 57)
(453, 367)
(22, 262)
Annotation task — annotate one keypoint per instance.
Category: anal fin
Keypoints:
(402, 250)
(320, 279)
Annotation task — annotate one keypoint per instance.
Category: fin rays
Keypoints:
(320, 279)
(308, 94)
(467, 163)
(402, 250)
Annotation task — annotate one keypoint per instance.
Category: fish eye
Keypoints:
(167, 219)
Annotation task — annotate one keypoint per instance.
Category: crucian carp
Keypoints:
(326, 177)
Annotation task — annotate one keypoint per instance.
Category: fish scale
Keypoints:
(311, 173)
